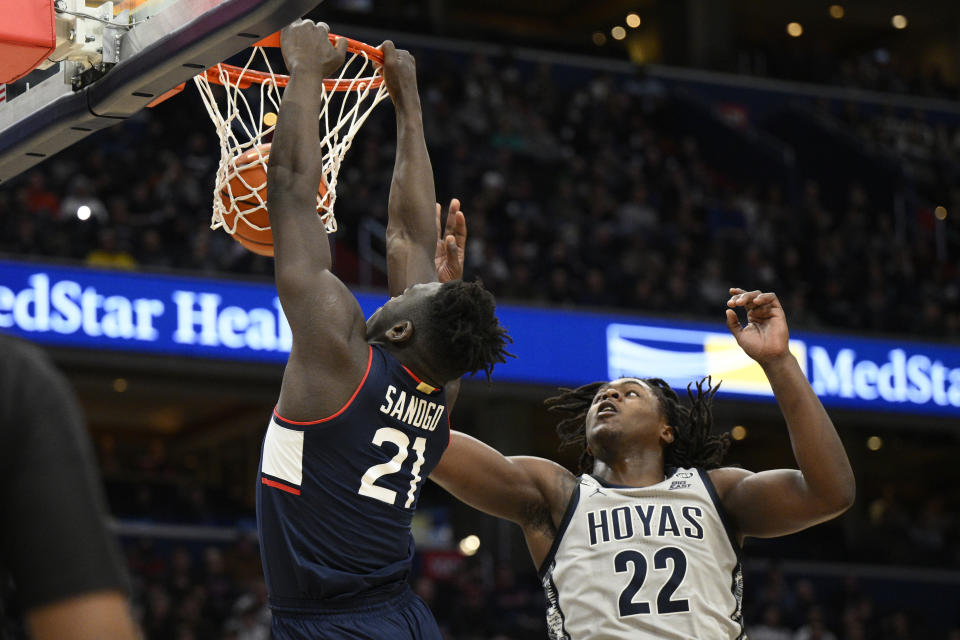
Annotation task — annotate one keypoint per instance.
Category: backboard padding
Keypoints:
(180, 40)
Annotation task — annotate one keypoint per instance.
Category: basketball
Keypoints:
(244, 198)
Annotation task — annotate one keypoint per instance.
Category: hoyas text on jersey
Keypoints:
(625, 522)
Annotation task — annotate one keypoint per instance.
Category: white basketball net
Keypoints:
(242, 127)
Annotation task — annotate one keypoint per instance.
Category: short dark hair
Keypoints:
(692, 446)
(463, 328)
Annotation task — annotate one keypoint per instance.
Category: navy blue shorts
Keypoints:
(404, 616)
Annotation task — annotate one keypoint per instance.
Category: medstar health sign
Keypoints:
(844, 372)
(224, 319)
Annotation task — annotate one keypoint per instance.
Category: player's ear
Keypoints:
(400, 332)
(667, 434)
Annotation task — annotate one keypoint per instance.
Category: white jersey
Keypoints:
(657, 562)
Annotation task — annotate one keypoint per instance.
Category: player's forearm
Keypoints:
(412, 218)
(480, 476)
(816, 445)
(295, 157)
(294, 173)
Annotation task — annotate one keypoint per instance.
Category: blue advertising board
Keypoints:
(225, 319)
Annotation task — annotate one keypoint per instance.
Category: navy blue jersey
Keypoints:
(336, 496)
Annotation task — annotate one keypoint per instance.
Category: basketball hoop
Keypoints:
(244, 129)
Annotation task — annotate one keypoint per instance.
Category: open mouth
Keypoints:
(607, 408)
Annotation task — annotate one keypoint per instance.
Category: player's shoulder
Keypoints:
(556, 487)
(381, 356)
(548, 473)
(555, 482)
(14, 347)
(725, 478)
(21, 359)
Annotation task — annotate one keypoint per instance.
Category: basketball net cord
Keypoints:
(240, 128)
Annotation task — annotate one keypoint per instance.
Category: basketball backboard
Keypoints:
(150, 47)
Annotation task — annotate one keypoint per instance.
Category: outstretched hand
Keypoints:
(765, 338)
(451, 243)
(307, 49)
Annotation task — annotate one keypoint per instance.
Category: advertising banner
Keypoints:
(234, 320)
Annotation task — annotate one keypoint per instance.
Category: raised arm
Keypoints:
(532, 492)
(329, 333)
(411, 230)
(775, 503)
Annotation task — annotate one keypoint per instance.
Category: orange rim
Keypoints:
(243, 79)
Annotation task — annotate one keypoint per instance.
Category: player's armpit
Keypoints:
(521, 489)
(330, 352)
(542, 526)
(770, 503)
(324, 316)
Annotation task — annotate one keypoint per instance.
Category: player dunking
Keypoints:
(646, 543)
(362, 416)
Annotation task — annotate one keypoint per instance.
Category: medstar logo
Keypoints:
(903, 378)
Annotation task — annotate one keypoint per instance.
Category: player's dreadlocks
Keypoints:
(464, 328)
(692, 445)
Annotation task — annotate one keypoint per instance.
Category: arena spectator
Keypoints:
(586, 200)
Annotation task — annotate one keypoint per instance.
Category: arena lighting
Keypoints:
(836, 11)
(874, 443)
(618, 33)
(633, 20)
(469, 545)
(739, 432)
(940, 212)
(795, 29)
(599, 39)
(899, 21)
(83, 212)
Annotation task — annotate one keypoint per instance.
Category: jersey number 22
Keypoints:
(665, 601)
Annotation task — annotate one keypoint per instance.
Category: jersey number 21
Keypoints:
(368, 486)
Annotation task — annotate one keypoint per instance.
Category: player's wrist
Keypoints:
(311, 67)
(307, 73)
(777, 362)
(305, 87)
(407, 102)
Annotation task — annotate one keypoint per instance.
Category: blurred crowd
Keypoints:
(872, 68)
(195, 591)
(925, 147)
(908, 523)
(575, 194)
(913, 527)
(191, 591)
(197, 588)
(145, 482)
(781, 607)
